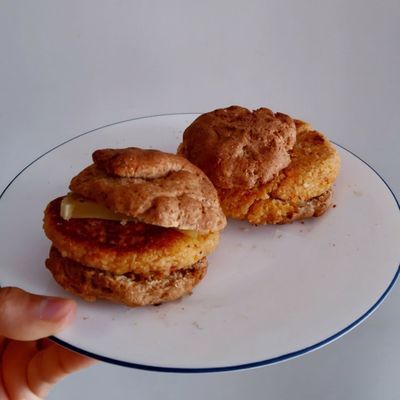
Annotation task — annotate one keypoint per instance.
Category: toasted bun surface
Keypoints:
(130, 289)
(238, 148)
(122, 248)
(153, 187)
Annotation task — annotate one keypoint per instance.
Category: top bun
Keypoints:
(237, 147)
(153, 187)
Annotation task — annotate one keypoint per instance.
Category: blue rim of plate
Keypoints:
(228, 368)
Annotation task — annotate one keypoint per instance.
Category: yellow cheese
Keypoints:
(192, 234)
(73, 206)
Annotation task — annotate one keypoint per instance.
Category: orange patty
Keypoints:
(121, 248)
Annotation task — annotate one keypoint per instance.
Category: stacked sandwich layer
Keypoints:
(158, 216)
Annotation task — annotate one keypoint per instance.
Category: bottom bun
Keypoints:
(130, 289)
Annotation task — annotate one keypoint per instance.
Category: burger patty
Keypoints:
(132, 289)
(124, 247)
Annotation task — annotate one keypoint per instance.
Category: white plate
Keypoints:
(271, 293)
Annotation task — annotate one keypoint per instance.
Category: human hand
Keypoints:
(31, 365)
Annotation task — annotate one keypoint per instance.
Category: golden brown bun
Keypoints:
(301, 190)
(238, 148)
(121, 248)
(153, 187)
(130, 289)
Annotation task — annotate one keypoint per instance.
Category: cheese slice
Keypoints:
(192, 234)
(74, 206)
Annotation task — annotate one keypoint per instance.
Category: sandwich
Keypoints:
(135, 229)
(267, 167)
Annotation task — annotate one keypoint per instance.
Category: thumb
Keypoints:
(26, 316)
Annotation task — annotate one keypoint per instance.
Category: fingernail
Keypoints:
(54, 309)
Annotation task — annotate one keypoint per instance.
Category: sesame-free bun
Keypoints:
(239, 148)
(131, 289)
(153, 187)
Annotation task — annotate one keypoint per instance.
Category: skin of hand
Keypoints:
(31, 365)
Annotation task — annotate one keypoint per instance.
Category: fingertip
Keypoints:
(57, 310)
(26, 316)
(71, 315)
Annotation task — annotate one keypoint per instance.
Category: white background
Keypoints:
(69, 66)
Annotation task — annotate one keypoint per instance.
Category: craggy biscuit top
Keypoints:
(138, 163)
(237, 147)
(153, 187)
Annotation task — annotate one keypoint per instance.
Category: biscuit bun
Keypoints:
(130, 289)
(237, 147)
(153, 187)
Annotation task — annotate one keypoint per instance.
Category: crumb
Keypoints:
(279, 236)
(196, 324)
(334, 206)
(157, 304)
(85, 318)
(302, 222)
(357, 193)
(242, 228)
(254, 246)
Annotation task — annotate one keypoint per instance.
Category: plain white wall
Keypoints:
(86, 63)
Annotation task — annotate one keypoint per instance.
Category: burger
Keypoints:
(135, 228)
